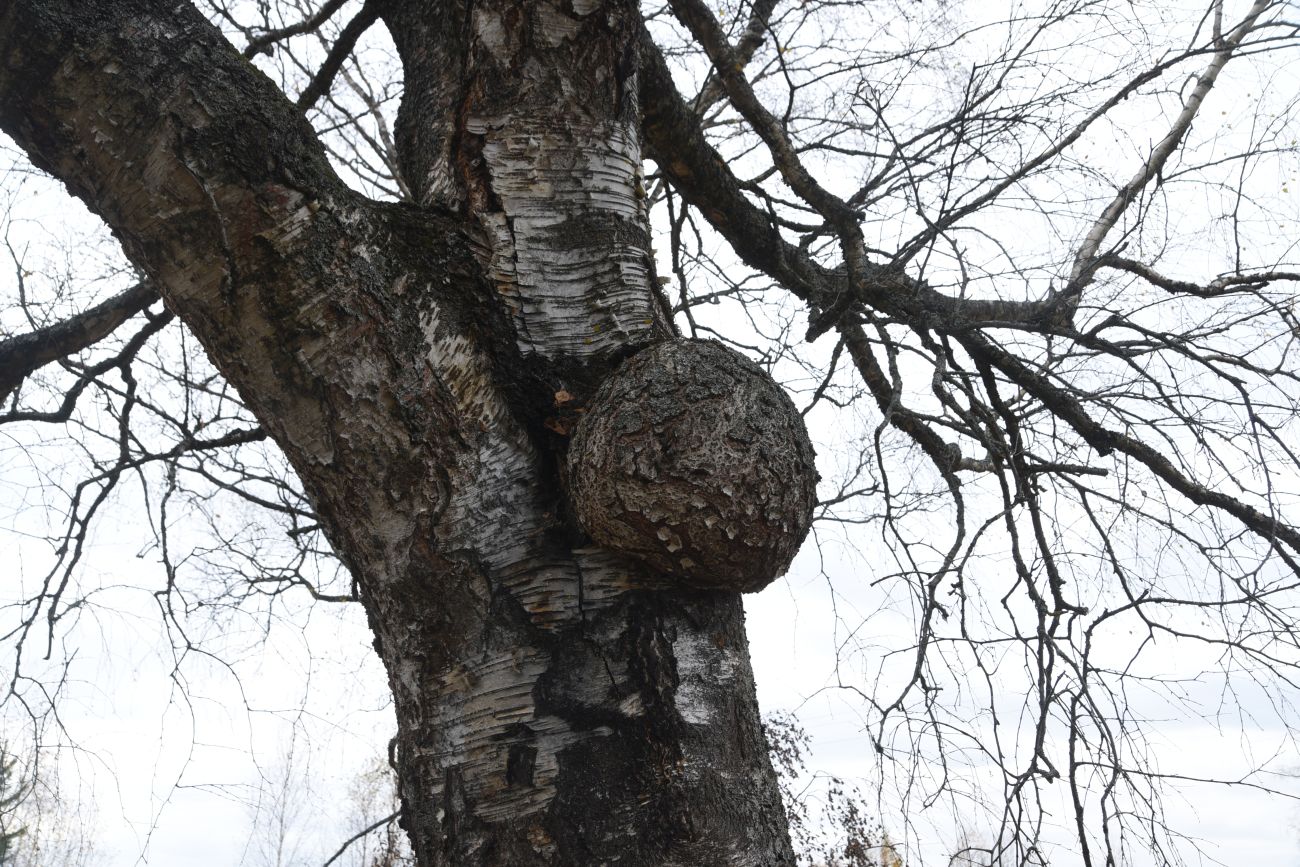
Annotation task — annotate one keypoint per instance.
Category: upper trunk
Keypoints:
(422, 368)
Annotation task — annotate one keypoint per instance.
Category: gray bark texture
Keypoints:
(559, 701)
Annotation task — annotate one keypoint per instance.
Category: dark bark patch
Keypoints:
(520, 764)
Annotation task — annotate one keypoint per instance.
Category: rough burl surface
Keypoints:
(692, 459)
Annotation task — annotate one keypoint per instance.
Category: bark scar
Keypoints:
(231, 276)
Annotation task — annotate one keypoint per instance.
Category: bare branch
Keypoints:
(262, 42)
(338, 55)
(357, 836)
(1227, 46)
(23, 354)
(1219, 286)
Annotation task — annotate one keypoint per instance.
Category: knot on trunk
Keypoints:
(692, 459)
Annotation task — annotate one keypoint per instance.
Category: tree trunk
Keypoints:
(422, 367)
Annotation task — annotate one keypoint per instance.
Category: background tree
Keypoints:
(1036, 292)
(13, 789)
(280, 835)
(38, 826)
(377, 808)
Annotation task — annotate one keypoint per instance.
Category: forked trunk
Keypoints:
(558, 702)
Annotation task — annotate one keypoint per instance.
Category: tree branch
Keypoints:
(760, 15)
(23, 354)
(1224, 285)
(357, 836)
(1084, 259)
(343, 46)
(258, 44)
(676, 142)
(728, 66)
(1069, 409)
(214, 182)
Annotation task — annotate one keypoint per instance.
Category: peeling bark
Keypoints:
(410, 361)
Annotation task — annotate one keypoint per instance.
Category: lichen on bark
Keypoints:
(693, 460)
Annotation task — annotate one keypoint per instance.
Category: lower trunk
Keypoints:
(628, 734)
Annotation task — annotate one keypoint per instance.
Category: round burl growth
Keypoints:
(692, 459)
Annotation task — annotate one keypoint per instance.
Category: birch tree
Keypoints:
(431, 285)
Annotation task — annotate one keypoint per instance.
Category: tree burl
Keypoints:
(693, 460)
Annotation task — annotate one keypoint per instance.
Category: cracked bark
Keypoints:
(552, 708)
